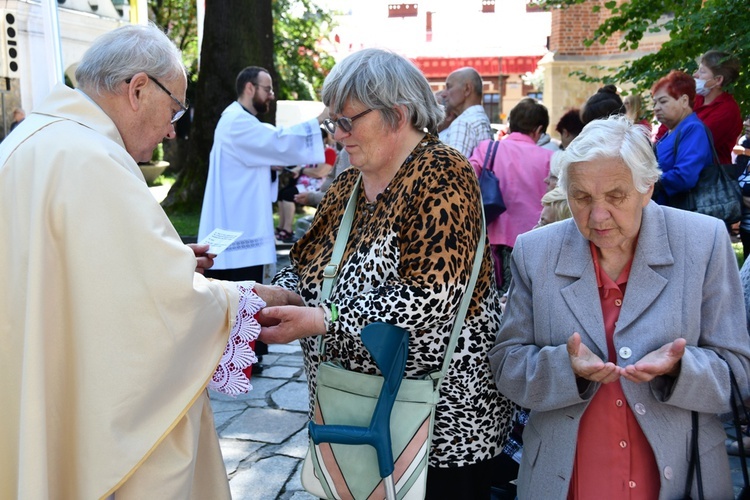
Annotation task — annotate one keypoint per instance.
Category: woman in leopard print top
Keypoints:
(407, 262)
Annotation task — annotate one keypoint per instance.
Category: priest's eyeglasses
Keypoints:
(344, 122)
(183, 107)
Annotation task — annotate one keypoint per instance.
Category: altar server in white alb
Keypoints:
(109, 335)
(240, 190)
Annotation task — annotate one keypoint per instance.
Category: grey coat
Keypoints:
(683, 282)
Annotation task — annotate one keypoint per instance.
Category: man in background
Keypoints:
(569, 126)
(462, 98)
(241, 186)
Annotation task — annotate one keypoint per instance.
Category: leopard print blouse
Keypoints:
(407, 262)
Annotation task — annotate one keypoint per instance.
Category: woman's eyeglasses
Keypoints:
(344, 122)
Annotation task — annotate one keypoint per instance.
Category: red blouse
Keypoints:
(613, 458)
(724, 120)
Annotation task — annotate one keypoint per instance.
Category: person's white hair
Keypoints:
(613, 137)
(554, 164)
(558, 201)
(383, 81)
(121, 53)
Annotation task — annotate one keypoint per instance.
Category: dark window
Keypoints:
(492, 107)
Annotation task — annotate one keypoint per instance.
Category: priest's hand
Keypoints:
(588, 365)
(203, 260)
(274, 295)
(281, 325)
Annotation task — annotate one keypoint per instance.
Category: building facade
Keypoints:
(80, 22)
(502, 40)
(568, 54)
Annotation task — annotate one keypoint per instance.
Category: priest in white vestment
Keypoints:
(109, 335)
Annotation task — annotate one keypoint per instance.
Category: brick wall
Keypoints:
(572, 25)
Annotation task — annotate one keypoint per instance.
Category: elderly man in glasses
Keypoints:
(109, 335)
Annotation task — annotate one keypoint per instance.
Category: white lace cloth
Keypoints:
(238, 355)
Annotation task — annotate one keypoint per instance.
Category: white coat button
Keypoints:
(668, 472)
(640, 408)
(625, 352)
(631, 484)
(623, 444)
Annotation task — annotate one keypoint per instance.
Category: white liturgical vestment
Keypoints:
(239, 192)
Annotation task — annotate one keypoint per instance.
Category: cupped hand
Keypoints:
(283, 324)
(663, 361)
(588, 365)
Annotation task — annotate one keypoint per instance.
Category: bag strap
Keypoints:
(676, 143)
(711, 142)
(736, 399)
(695, 460)
(330, 273)
(489, 157)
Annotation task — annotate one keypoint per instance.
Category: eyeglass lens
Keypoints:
(344, 122)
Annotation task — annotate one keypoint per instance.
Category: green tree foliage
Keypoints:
(298, 27)
(694, 27)
(279, 35)
(178, 19)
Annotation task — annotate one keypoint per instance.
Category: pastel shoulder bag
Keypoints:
(354, 451)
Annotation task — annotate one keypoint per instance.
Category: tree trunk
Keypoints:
(237, 34)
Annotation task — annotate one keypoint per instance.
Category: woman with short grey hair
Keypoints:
(407, 262)
(383, 81)
(634, 150)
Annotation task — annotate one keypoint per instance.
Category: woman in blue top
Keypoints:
(685, 149)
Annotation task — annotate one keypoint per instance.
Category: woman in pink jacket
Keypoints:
(521, 167)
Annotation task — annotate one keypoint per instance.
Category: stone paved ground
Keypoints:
(263, 434)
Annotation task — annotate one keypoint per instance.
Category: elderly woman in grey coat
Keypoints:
(620, 323)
